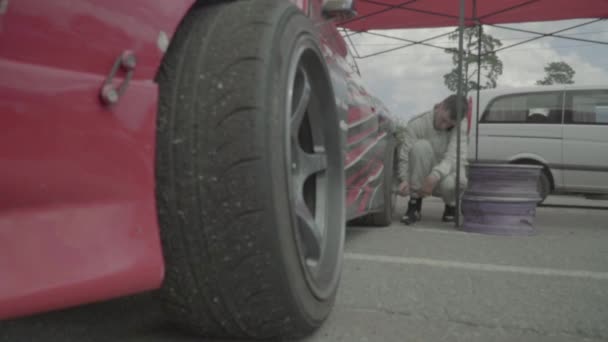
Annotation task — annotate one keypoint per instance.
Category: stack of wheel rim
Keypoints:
(501, 199)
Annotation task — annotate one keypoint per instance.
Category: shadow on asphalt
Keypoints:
(356, 233)
(592, 207)
(138, 318)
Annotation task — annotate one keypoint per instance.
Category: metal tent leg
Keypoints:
(459, 109)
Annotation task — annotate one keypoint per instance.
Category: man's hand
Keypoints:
(429, 184)
(404, 188)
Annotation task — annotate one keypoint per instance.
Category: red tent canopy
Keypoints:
(399, 14)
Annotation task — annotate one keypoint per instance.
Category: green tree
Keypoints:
(557, 73)
(491, 65)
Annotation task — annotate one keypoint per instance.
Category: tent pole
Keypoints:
(478, 88)
(459, 110)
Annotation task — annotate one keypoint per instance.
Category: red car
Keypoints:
(212, 149)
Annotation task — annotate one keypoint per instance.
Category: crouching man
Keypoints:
(427, 158)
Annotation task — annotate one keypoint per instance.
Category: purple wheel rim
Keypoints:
(501, 199)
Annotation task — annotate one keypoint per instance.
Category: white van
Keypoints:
(564, 128)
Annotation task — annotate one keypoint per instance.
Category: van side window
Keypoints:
(544, 108)
(588, 107)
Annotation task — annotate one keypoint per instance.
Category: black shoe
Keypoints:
(413, 213)
(449, 214)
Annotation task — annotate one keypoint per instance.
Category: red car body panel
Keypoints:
(78, 220)
(77, 213)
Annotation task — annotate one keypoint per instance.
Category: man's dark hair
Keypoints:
(451, 104)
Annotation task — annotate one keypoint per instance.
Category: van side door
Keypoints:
(524, 128)
(586, 141)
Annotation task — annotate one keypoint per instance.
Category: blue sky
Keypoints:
(410, 80)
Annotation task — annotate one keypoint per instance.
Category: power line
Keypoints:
(558, 47)
(527, 49)
(550, 34)
(539, 36)
(407, 45)
(553, 34)
(404, 40)
(450, 41)
(546, 47)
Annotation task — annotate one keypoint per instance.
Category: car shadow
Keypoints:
(138, 318)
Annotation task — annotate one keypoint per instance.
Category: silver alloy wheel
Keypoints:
(315, 172)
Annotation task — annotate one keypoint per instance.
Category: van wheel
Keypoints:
(250, 173)
(544, 186)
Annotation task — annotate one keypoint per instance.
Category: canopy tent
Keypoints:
(404, 14)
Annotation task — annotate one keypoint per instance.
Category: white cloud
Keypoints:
(410, 80)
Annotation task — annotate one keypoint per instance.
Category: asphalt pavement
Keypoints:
(428, 282)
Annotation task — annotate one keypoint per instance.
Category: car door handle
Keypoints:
(110, 94)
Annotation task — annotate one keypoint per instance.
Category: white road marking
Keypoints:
(548, 272)
(441, 231)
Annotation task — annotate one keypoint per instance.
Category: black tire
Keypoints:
(384, 217)
(544, 185)
(253, 247)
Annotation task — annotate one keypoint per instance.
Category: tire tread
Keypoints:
(194, 177)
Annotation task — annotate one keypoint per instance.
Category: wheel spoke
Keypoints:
(309, 230)
(301, 106)
(316, 180)
(307, 164)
